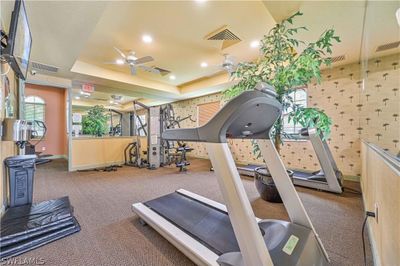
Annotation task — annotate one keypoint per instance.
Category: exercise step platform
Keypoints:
(27, 227)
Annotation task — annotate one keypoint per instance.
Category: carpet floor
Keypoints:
(112, 235)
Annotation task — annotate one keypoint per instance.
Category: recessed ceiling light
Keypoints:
(77, 97)
(147, 38)
(254, 44)
(111, 101)
(204, 64)
(172, 77)
(119, 62)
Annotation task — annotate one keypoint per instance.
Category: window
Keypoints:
(206, 111)
(35, 110)
(299, 97)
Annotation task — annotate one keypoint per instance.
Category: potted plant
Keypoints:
(95, 122)
(282, 66)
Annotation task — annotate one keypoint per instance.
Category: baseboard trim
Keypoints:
(345, 177)
(93, 166)
(351, 178)
(54, 157)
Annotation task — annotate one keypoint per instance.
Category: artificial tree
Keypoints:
(95, 122)
(281, 66)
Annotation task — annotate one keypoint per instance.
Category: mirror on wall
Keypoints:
(9, 99)
(110, 120)
(380, 69)
(10, 95)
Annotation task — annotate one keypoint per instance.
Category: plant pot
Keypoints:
(266, 186)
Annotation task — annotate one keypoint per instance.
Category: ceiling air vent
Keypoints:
(338, 58)
(163, 72)
(43, 67)
(387, 46)
(225, 35)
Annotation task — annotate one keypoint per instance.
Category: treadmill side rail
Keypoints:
(304, 182)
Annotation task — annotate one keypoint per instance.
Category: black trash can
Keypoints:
(20, 171)
(266, 186)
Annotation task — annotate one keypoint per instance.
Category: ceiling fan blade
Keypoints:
(150, 69)
(120, 52)
(99, 99)
(143, 60)
(133, 70)
(110, 63)
(163, 72)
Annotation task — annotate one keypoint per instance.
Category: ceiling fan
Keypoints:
(134, 63)
(229, 63)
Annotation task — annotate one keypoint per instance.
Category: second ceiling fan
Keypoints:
(134, 63)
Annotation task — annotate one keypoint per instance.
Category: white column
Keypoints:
(241, 215)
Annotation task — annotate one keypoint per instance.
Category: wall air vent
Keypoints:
(225, 35)
(43, 67)
(387, 46)
(163, 72)
(338, 58)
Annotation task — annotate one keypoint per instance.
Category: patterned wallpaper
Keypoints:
(363, 102)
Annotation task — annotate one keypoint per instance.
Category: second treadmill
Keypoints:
(329, 178)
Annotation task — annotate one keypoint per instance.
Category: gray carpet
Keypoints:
(112, 235)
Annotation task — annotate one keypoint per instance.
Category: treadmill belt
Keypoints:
(302, 174)
(208, 225)
(249, 167)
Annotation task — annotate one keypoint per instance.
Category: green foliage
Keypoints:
(312, 117)
(282, 67)
(95, 122)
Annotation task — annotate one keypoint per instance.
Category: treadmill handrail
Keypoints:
(327, 162)
(239, 118)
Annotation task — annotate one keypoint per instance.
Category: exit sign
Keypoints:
(89, 88)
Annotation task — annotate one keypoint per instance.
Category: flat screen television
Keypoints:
(19, 41)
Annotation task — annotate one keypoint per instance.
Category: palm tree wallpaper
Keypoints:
(367, 107)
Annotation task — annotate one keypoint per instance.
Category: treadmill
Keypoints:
(248, 170)
(329, 178)
(210, 233)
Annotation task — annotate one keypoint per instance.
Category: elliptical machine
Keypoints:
(30, 147)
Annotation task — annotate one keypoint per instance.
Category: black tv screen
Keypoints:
(19, 42)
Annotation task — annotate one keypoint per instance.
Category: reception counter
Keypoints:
(92, 152)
